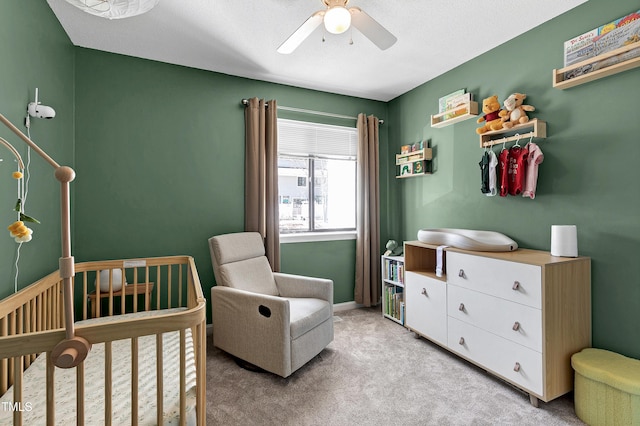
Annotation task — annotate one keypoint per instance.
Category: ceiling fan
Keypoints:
(337, 19)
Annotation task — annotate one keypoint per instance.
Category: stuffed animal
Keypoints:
(492, 119)
(515, 112)
(393, 249)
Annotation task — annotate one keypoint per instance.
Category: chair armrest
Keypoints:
(246, 305)
(301, 286)
(244, 329)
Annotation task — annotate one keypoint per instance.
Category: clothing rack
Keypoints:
(245, 102)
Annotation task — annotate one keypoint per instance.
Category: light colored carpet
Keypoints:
(374, 373)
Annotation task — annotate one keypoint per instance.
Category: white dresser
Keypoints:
(519, 315)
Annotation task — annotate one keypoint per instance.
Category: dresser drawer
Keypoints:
(516, 363)
(518, 282)
(426, 306)
(518, 323)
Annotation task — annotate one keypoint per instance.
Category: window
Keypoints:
(316, 177)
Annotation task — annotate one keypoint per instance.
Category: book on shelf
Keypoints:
(456, 102)
(410, 158)
(394, 270)
(394, 302)
(406, 169)
(418, 167)
(612, 35)
(442, 102)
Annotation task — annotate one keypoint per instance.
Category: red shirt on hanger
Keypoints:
(517, 169)
(503, 170)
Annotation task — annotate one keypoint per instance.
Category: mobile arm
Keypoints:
(73, 349)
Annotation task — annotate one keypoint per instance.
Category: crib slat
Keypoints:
(80, 394)
(147, 296)
(39, 316)
(122, 298)
(135, 290)
(27, 329)
(169, 286)
(4, 362)
(17, 391)
(110, 292)
(12, 331)
(47, 304)
(159, 380)
(183, 374)
(134, 381)
(51, 399)
(107, 383)
(179, 285)
(158, 278)
(85, 295)
(200, 353)
(54, 307)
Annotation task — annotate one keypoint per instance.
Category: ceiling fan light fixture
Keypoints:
(337, 19)
(114, 9)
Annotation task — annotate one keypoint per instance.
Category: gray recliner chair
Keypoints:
(275, 321)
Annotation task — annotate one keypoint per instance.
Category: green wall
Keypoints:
(589, 176)
(36, 52)
(160, 154)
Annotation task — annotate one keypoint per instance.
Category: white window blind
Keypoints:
(316, 140)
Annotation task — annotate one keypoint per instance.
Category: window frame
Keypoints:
(312, 233)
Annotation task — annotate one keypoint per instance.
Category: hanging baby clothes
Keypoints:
(503, 167)
(484, 173)
(534, 158)
(493, 162)
(517, 169)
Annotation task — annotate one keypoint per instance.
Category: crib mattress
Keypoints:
(34, 383)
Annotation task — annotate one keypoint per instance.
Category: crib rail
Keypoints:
(32, 323)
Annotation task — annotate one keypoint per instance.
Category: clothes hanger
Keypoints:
(517, 141)
(530, 139)
(504, 141)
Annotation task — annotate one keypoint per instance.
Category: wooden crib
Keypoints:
(148, 356)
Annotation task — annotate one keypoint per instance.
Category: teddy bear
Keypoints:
(492, 119)
(515, 112)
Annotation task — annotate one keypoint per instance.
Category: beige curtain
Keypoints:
(367, 289)
(261, 175)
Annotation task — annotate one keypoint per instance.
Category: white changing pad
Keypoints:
(467, 239)
(34, 388)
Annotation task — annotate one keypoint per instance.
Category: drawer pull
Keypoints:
(461, 273)
(516, 326)
(516, 367)
(424, 291)
(461, 341)
(516, 285)
(461, 307)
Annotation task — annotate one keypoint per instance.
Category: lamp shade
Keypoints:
(337, 19)
(114, 9)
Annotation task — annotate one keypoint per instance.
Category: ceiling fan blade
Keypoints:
(301, 33)
(372, 29)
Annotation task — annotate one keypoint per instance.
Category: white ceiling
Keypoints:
(241, 37)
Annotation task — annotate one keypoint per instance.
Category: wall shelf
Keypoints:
(559, 81)
(461, 113)
(412, 164)
(534, 127)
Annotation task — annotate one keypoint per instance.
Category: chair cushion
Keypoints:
(306, 313)
(230, 248)
(250, 275)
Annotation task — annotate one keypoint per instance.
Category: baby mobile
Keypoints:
(20, 232)
(513, 171)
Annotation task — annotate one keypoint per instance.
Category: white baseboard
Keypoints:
(346, 306)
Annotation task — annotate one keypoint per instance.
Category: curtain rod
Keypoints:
(245, 102)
